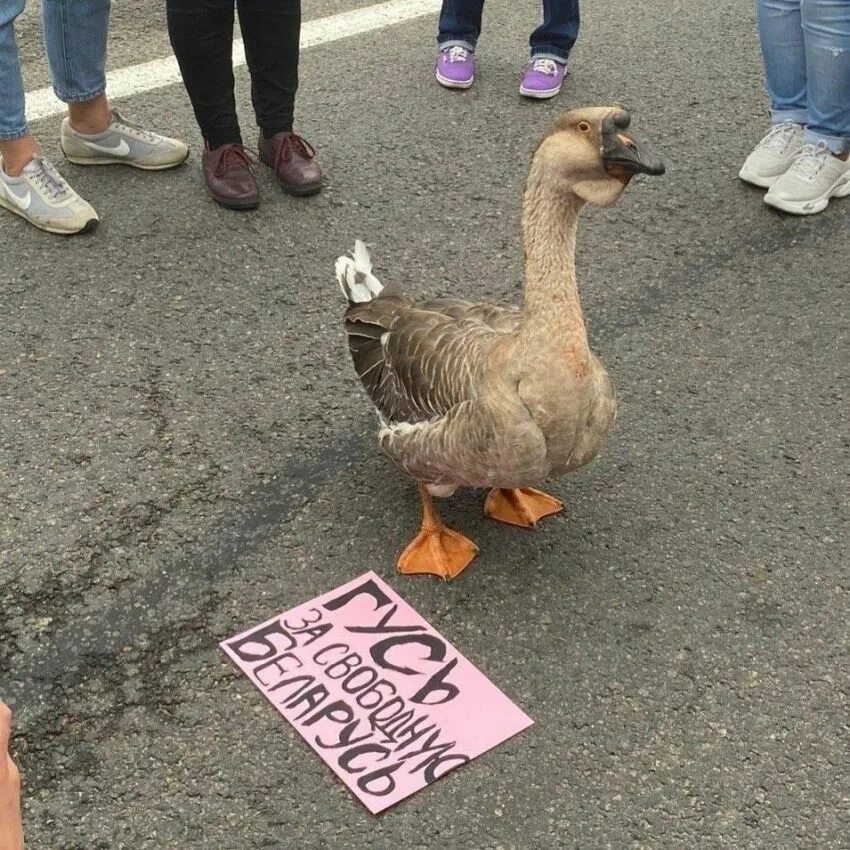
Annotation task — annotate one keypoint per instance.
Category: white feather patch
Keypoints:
(355, 277)
(362, 260)
(441, 491)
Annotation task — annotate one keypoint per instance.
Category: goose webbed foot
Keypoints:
(436, 549)
(523, 507)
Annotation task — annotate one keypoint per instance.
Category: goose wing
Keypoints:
(418, 361)
(501, 318)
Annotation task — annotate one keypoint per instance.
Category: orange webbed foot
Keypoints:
(523, 507)
(440, 551)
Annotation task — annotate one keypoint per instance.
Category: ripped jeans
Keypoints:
(806, 50)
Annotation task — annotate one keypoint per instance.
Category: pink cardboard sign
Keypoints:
(387, 702)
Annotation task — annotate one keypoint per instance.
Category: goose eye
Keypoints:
(583, 127)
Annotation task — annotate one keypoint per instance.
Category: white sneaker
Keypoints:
(773, 155)
(122, 143)
(43, 197)
(814, 177)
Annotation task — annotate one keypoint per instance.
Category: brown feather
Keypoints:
(416, 361)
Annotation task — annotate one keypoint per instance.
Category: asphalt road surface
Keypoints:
(184, 452)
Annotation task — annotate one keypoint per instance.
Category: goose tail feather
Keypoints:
(354, 275)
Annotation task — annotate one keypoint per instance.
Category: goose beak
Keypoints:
(622, 157)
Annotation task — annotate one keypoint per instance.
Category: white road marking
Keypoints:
(159, 73)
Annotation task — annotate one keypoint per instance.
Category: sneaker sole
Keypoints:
(446, 83)
(756, 179)
(839, 189)
(538, 95)
(107, 160)
(90, 225)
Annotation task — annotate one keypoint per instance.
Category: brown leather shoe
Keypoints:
(294, 162)
(229, 174)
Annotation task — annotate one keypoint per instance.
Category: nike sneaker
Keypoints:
(42, 196)
(122, 143)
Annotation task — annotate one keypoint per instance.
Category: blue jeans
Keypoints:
(75, 40)
(460, 23)
(806, 49)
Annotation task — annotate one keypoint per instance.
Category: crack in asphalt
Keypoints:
(76, 649)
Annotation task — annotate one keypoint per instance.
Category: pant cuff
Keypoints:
(79, 98)
(270, 130)
(556, 57)
(836, 144)
(797, 116)
(12, 135)
(455, 42)
(216, 138)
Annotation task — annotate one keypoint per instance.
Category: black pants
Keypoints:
(201, 33)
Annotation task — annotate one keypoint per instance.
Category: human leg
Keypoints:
(30, 187)
(821, 170)
(550, 45)
(75, 33)
(826, 33)
(271, 30)
(460, 23)
(11, 827)
(17, 145)
(457, 35)
(784, 60)
(201, 34)
(555, 37)
(75, 36)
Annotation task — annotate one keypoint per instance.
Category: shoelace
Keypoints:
(456, 53)
(234, 155)
(293, 143)
(46, 177)
(811, 159)
(119, 122)
(779, 137)
(545, 66)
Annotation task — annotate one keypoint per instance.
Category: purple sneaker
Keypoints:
(455, 67)
(542, 78)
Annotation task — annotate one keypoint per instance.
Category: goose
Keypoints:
(480, 395)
